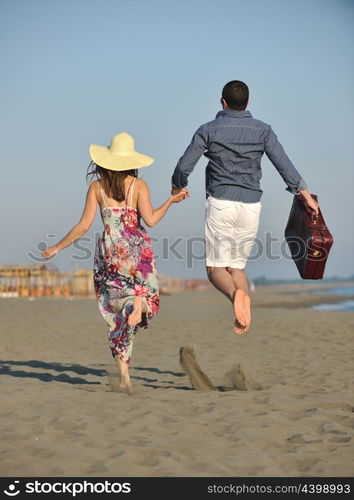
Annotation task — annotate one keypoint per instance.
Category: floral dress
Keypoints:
(124, 267)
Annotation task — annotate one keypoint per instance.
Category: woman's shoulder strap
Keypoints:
(102, 195)
(131, 185)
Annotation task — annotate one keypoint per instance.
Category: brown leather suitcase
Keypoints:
(309, 239)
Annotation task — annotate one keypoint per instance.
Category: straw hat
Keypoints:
(120, 155)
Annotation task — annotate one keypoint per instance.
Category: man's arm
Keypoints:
(275, 152)
(296, 184)
(189, 159)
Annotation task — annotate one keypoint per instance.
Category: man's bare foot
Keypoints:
(135, 316)
(240, 312)
(247, 303)
(239, 329)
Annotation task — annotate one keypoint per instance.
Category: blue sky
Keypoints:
(80, 71)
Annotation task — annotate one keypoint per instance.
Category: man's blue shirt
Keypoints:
(234, 144)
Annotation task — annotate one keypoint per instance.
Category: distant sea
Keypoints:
(346, 305)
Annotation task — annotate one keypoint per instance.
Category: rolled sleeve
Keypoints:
(301, 185)
(187, 162)
(275, 152)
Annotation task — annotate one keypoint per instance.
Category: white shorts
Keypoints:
(230, 230)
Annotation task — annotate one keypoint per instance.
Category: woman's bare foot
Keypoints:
(240, 311)
(125, 382)
(135, 316)
(125, 385)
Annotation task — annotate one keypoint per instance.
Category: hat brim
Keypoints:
(103, 157)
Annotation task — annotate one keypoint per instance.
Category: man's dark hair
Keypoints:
(236, 93)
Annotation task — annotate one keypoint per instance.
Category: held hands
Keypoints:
(49, 252)
(178, 195)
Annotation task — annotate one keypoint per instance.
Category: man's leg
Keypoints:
(224, 282)
(239, 277)
(245, 233)
(242, 298)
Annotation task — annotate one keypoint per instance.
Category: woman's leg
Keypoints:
(120, 333)
(125, 381)
(121, 338)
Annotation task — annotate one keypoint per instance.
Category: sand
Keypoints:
(280, 401)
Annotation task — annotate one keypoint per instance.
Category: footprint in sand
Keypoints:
(340, 439)
(297, 439)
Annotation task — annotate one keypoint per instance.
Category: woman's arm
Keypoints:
(87, 218)
(151, 216)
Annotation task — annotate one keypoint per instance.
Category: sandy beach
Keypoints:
(283, 405)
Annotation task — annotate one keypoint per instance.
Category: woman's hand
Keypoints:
(49, 252)
(151, 216)
(179, 195)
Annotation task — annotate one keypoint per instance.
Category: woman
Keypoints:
(125, 276)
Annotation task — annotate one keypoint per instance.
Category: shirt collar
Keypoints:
(233, 113)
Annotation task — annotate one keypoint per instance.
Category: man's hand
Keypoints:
(311, 204)
(178, 195)
(175, 191)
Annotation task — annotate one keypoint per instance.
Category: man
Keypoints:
(234, 143)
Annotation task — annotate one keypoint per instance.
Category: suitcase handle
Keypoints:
(311, 216)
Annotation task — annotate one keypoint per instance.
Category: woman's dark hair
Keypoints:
(112, 181)
(236, 93)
